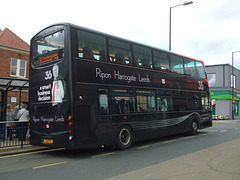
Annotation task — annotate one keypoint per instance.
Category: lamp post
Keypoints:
(233, 82)
(184, 4)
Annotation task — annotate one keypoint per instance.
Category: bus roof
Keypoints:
(38, 35)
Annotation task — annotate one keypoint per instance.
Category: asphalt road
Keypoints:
(212, 154)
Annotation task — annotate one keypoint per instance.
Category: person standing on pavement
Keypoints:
(22, 116)
(9, 118)
(15, 111)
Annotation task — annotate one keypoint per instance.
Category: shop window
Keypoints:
(213, 102)
(236, 108)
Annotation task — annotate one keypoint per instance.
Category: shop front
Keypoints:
(224, 104)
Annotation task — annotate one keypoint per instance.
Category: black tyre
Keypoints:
(125, 138)
(194, 127)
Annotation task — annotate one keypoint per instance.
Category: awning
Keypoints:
(12, 83)
(9, 84)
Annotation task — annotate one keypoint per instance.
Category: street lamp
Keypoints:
(233, 79)
(184, 4)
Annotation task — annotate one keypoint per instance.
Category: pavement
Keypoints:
(18, 149)
(30, 148)
(218, 162)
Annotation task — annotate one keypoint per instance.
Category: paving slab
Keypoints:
(218, 162)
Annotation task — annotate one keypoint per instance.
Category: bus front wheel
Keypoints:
(125, 138)
(194, 127)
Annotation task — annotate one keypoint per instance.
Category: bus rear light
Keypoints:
(69, 118)
(70, 138)
(28, 124)
(69, 124)
(70, 131)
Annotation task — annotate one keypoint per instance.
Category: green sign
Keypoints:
(224, 95)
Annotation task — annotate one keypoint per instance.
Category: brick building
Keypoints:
(14, 63)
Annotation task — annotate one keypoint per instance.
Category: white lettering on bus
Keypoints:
(129, 79)
(44, 93)
(102, 75)
(143, 79)
(122, 77)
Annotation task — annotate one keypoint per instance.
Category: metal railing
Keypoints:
(14, 133)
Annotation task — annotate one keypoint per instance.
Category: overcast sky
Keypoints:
(207, 29)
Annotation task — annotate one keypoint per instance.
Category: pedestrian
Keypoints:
(15, 111)
(9, 118)
(22, 116)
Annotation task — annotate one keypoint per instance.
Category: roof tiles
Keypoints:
(8, 38)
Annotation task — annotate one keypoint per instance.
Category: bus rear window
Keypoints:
(49, 43)
(47, 48)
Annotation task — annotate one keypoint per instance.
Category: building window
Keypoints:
(18, 67)
(233, 81)
(212, 79)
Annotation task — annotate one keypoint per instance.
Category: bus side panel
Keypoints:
(172, 124)
(91, 130)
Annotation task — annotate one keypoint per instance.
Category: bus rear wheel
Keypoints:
(125, 138)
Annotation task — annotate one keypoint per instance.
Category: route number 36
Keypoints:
(48, 75)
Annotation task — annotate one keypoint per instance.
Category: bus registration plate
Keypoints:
(48, 141)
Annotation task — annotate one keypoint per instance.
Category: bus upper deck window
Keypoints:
(200, 70)
(91, 46)
(161, 61)
(176, 64)
(189, 67)
(119, 52)
(142, 57)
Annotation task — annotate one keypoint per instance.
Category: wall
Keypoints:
(6, 53)
(5, 60)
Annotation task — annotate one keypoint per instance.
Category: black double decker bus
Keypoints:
(89, 89)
